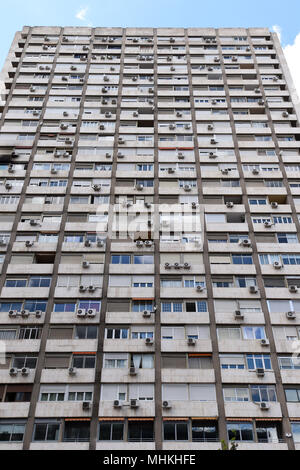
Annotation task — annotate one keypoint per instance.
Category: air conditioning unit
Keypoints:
(132, 371)
(253, 290)
(172, 127)
(285, 114)
(117, 404)
(238, 315)
(187, 187)
(246, 243)
(38, 313)
(92, 288)
(148, 205)
(261, 102)
(146, 314)
(168, 266)
(187, 266)
(268, 224)
(139, 187)
(25, 371)
(82, 288)
(291, 315)
(199, 288)
(86, 405)
(87, 243)
(3, 242)
(179, 114)
(277, 265)
(108, 115)
(134, 403)
(255, 171)
(85, 264)
(96, 187)
(264, 406)
(180, 156)
(224, 171)
(65, 113)
(166, 404)
(191, 341)
(149, 341)
(53, 171)
(264, 342)
(12, 313)
(148, 243)
(177, 266)
(135, 114)
(28, 243)
(25, 313)
(212, 155)
(293, 289)
(8, 185)
(91, 312)
(100, 243)
(260, 372)
(72, 371)
(274, 205)
(171, 170)
(229, 204)
(139, 243)
(33, 222)
(13, 371)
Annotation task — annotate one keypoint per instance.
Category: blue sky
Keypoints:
(155, 13)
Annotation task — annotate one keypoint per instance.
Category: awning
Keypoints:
(111, 419)
(140, 419)
(205, 418)
(77, 419)
(240, 419)
(175, 419)
(85, 352)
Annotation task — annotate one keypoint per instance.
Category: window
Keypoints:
(263, 393)
(117, 333)
(46, 431)
(12, 431)
(240, 431)
(142, 431)
(111, 431)
(83, 362)
(176, 431)
(204, 431)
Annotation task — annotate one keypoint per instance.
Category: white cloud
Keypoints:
(81, 14)
(292, 54)
(277, 29)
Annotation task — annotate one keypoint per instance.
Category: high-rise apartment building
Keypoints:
(150, 252)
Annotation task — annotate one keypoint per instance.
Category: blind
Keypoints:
(60, 362)
(118, 306)
(19, 388)
(202, 392)
(279, 306)
(71, 259)
(215, 218)
(119, 281)
(21, 259)
(141, 390)
(220, 259)
(53, 388)
(192, 258)
(175, 392)
(225, 306)
(176, 332)
(173, 361)
(94, 258)
(61, 333)
(170, 258)
(201, 331)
